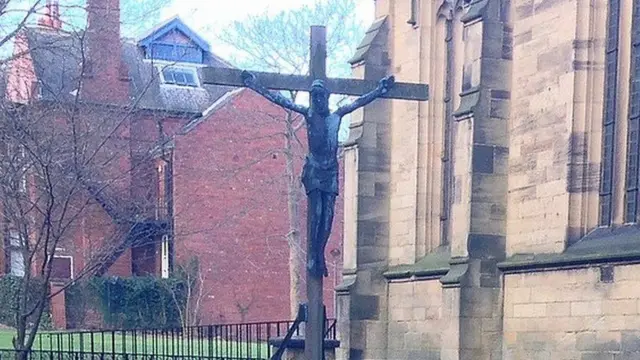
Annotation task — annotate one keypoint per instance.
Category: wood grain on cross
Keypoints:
(315, 319)
(352, 87)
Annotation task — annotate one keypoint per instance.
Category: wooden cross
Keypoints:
(314, 329)
(317, 66)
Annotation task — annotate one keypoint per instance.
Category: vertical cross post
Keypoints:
(314, 328)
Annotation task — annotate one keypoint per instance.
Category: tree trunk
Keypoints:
(294, 239)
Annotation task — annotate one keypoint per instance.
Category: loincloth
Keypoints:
(315, 176)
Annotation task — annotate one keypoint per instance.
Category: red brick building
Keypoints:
(199, 165)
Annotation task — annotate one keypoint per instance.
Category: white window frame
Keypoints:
(16, 249)
(180, 66)
(23, 176)
(164, 257)
(164, 63)
(70, 257)
(159, 204)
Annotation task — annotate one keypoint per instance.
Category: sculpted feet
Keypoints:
(317, 267)
(323, 266)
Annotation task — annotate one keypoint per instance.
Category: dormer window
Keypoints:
(174, 42)
(175, 52)
(179, 75)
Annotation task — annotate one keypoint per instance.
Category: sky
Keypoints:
(203, 15)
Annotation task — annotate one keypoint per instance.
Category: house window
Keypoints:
(62, 267)
(609, 117)
(175, 52)
(16, 254)
(633, 141)
(165, 257)
(161, 206)
(17, 161)
(181, 76)
(22, 186)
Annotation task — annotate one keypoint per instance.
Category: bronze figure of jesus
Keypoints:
(320, 172)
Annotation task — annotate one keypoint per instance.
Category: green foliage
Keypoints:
(11, 294)
(127, 303)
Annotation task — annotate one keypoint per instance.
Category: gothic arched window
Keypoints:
(633, 142)
(609, 118)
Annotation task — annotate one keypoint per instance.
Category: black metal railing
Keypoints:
(80, 355)
(247, 341)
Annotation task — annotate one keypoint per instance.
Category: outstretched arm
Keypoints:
(383, 87)
(250, 81)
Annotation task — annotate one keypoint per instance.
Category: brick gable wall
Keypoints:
(231, 211)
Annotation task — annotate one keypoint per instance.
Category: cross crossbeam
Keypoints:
(343, 86)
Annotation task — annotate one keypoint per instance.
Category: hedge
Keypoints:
(10, 295)
(127, 303)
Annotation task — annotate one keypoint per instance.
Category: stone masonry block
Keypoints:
(624, 290)
(620, 307)
(559, 309)
(627, 272)
(583, 308)
(529, 310)
(483, 159)
(630, 341)
(364, 307)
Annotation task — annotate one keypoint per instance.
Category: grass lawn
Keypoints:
(5, 338)
(139, 344)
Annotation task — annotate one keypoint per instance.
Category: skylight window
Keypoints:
(179, 76)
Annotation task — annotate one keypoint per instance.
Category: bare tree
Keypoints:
(188, 299)
(65, 173)
(280, 43)
(138, 15)
(244, 306)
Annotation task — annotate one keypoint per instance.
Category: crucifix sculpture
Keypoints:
(320, 173)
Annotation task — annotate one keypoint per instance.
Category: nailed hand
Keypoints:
(387, 83)
(247, 77)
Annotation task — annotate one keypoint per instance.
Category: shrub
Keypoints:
(10, 294)
(128, 303)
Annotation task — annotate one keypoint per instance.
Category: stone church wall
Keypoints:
(519, 261)
(415, 315)
(540, 124)
(590, 313)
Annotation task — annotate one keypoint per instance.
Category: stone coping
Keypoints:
(601, 246)
(367, 41)
(475, 11)
(468, 101)
(298, 343)
(435, 264)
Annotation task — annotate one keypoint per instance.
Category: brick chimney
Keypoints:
(51, 18)
(104, 81)
(56, 22)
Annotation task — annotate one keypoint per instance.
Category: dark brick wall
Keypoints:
(231, 211)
